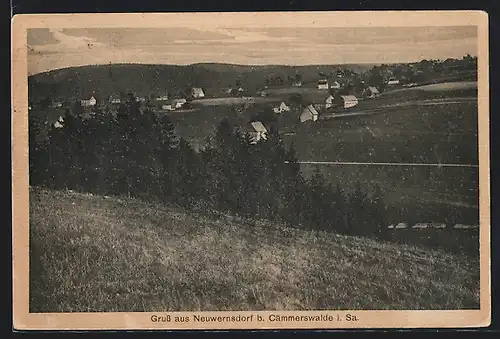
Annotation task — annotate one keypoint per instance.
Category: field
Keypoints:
(90, 254)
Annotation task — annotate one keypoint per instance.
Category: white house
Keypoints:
(90, 102)
(393, 81)
(162, 97)
(257, 131)
(371, 92)
(329, 101)
(178, 103)
(309, 113)
(438, 225)
(197, 92)
(420, 225)
(335, 85)
(323, 84)
(281, 108)
(59, 122)
(347, 101)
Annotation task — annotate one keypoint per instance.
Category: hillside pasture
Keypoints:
(422, 134)
(90, 254)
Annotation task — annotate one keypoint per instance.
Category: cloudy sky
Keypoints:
(50, 49)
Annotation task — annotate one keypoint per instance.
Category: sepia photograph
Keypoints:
(251, 170)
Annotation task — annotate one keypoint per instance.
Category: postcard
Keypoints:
(250, 170)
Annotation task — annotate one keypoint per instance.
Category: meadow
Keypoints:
(96, 254)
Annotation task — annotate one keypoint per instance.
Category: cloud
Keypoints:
(58, 48)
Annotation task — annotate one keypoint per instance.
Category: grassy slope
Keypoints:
(94, 254)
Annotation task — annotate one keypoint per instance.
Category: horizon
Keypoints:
(52, 49)
(237, 65)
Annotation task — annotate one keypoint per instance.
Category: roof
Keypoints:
(311, 109)
(258, 126)
(349, 97)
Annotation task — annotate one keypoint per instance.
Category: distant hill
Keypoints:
(102, 80)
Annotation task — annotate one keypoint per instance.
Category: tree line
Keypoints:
(136, 153)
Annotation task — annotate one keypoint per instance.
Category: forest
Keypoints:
(136, 153)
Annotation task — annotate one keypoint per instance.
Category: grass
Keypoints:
(89, 254)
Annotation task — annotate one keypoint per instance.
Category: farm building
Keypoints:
(197, 92)
(90, 102)
(309, 113)
(256, 131)
(323, 84)
(335, 85)
(346, 101)
(371, 92)
(283, 107)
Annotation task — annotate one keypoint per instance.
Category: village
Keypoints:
(339, 92)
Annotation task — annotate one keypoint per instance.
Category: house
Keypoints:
(197, 92)
(420, 225)
(162, 97)
(256, 131)
(178, 103)
(335, 85)
(371, 92)
(346, 101)
(462, 226)
(56, 104)
(309, 113)
(323, 84)
(438, 225)
(281, 108)
(115, 99)
(59, 122)
(90, 102)
(393, 81)
(329, 101)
